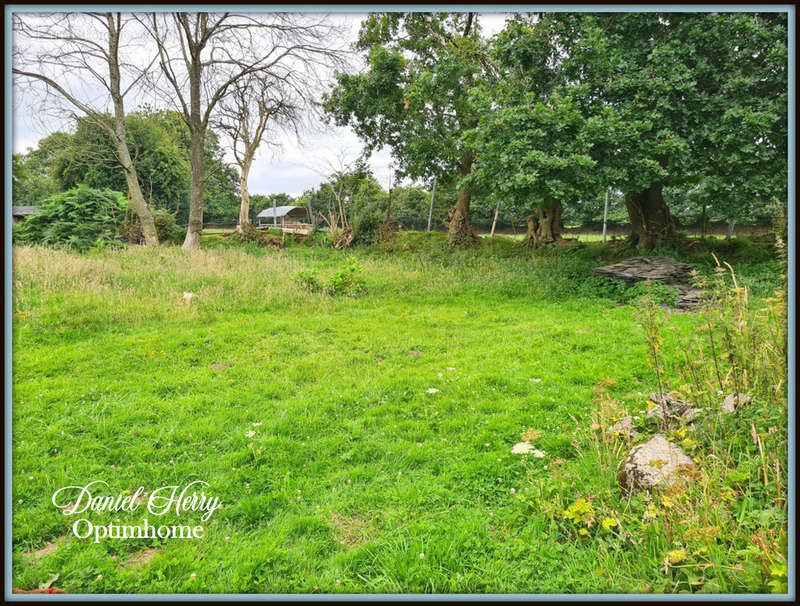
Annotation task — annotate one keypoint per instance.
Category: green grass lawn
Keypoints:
(356, 444)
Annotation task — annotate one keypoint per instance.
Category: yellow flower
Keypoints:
(609, 523)
(583, 532)
(676, 556)
(667, 502)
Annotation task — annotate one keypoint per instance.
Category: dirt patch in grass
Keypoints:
(46, 549)
(141, 558)
(350, 530)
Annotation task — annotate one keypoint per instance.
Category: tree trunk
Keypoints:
(731, 223)
(120, 144)
(197, 130)
(459, 226)
(651, 222)
(244, 208)
(544, 226)
(196, 183)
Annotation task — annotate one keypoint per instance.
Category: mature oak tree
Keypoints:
(414, 98)
(670, 99)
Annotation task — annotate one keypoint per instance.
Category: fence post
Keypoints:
(494, 221)
(605, 217)
(430, 210)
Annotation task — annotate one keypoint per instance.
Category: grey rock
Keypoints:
(624, 428)
(670, 408)
(729, 405)
(656, 463)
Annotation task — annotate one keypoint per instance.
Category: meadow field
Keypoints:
(362, 444)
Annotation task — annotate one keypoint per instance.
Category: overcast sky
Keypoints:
(293, 169)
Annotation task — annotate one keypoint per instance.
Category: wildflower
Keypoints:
(192, 577)
(609, 523)
(249, 434)
(257, 424)
(513, 491)
(99, 577)
(522, 448)
(432, 390)
(422, 556)
(677, 556)
(583, 532)
(651, 512)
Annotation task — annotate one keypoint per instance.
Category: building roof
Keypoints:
(23, 210)
(283, 211)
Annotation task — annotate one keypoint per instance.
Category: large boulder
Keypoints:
(656, 463)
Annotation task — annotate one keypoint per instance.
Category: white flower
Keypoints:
(257, 424)
(513, 491)
(522, 448)
(422, 556)
(432, 390)
(536, 380)
(450, 368)
(192, 576)
(249, 434)
(99, 577)
(539, 454)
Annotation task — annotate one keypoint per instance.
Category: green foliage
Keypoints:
(159, 144)
(657, 292)
(696, 101)
(346, 280)
(307, 278)
(33, 173)
(78, 219)
(131, 227)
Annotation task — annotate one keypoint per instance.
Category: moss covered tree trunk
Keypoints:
(544, 227)
(459, 225)
(651, 222)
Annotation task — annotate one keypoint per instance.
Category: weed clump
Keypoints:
(347, 280)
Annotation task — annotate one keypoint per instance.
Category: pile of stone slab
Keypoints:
(663, 269)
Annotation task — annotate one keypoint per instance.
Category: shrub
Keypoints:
(366, 227)
(307, 278)
(131, 227)
(78, 219)
(346, 280)
(250, 235)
